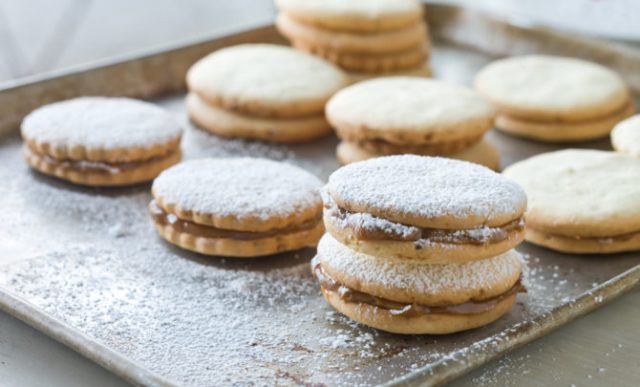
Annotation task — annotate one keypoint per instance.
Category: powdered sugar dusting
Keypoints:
(101, 122)
(239, 187)
(414, 276)
(429, 187)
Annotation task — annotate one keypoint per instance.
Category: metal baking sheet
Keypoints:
(85, 266)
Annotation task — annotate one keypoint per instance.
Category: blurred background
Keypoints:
(40, 36)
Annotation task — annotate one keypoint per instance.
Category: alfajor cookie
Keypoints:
(554, 99)
(410, 297)
(101, 141)
(238, 207)
(625, 136)
(428, 209)
(265, 80)
(354, 15)
(482, 152)
(581, 201)
(396, 115)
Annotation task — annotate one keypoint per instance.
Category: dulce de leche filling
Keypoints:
(94, 166)
(164, 218)
(348, 294)
(365, 226)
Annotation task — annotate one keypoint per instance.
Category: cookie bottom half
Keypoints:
(95, 173)
(584, 245)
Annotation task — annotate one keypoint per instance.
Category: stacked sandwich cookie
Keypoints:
(397, 115)
(555, 99)
(238, 207)
(262, 92)
(366, 38)
(581, 201)
(100, 141)
(420, 245)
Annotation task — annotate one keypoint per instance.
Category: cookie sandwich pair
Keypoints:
(420, 245)
(555, 99)
(262, 92)
(366, 38)
(397, 115)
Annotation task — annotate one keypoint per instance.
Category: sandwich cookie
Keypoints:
(554, 99)
(581, 201)
(410, 297)
(101, 141)
(354, 15)
(428, 209)
(396, 115)
(625, 137)
(237, 207)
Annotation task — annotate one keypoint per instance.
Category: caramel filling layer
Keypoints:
(368, 227)
(410, 310)
(381, 146)
(604, 240)
(96, 166)
(162, 217)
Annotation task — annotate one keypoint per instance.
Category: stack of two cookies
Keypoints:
(419, 245)
(366, 38)
(262, 92)
(397, 115)
(555, 99)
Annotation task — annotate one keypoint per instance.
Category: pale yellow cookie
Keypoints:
(625, 137)
(548, 88)
(354, 15)
(265, 80)
(226, 123)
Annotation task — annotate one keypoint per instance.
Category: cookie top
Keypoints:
(354, 15)
(625, 136)
(409, 281)
(101, 129)
(587, 193)
(408, 109)
(552, 88)
(266, 80)
(430, 192)
(246, 194)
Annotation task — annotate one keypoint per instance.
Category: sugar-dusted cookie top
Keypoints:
(354, 15)
(101, 128)
(401, 109)
(266, 80)
(427, 192)
(625, 137)
(409, 281)
(246, 194)
(576, 192)
(542, 87)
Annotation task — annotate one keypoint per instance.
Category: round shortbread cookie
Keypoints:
(243, 194)
(551, 88)
(416, 282)
(411, 110)
(581, 245)
(101, 129)
(429, 192)
(402, 39)
(625, 137)
(375, 63)
(226, 123)
(581, 193)
(559, 132)
(483, 153)
(431, 324)
(265, 80)
(354, 15)
(423, 70)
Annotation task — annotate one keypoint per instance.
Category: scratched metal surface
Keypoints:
(95, 276)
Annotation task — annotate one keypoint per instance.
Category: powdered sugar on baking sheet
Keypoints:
(101, 123)
(428, 187)
(466, 278)
(241, 187)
